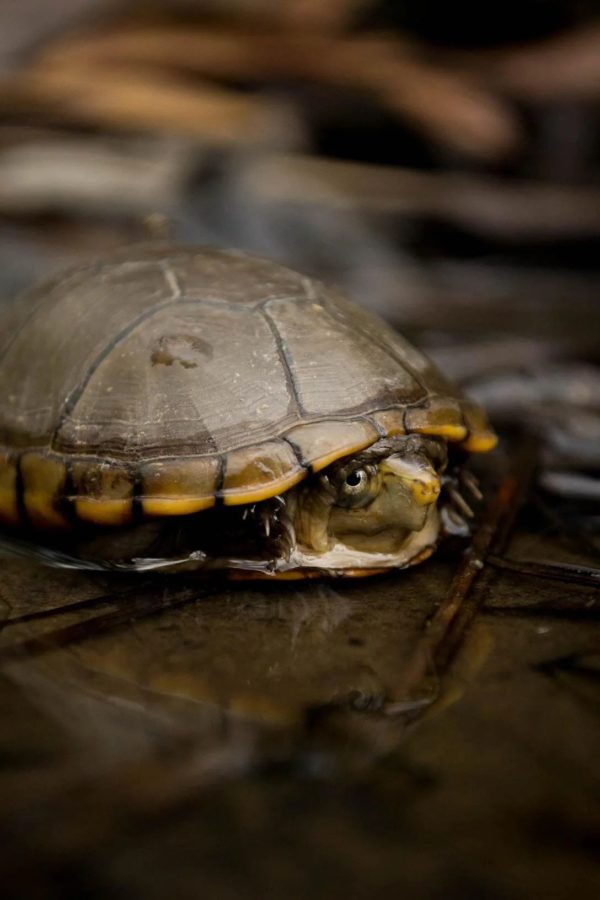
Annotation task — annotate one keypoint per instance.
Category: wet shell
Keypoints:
(161, 382)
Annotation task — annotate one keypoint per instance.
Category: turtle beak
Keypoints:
(419, 476)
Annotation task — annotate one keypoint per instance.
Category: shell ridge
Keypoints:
(352, 416)
(66, 502)
(73, 398)
(137, 494)
(20, 493)
(221, 475)
(295, 450)
(213, 302)
(222, 464)
(286, 362)
(377, 425)
(70, 495)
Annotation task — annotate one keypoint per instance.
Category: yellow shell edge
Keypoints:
(481, 442)
(104, 512)
(41, 501)
(324, 461)
(452, 433)
(176, 506)
(347, 437)
(265, 492)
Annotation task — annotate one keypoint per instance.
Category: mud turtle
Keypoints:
(200, 407)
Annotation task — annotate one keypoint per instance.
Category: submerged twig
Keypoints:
(131, 610)
(446, 628)
(556, 571)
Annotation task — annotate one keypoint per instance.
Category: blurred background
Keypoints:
(440, 162)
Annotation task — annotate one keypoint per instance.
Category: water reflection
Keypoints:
(148, 668)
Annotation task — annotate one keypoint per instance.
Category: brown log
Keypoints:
(510, 209)
(563, 68)
(126, 98)
(445, 105)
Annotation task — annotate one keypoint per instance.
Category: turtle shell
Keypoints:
(158, 383)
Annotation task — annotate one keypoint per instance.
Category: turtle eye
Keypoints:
(355, 489)
(355, 479)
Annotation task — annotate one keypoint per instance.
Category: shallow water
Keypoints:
(238, 729)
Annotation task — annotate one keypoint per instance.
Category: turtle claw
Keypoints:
(459, 503)
(453, 524)
(471, 484)
(456, 514)
(265, 521)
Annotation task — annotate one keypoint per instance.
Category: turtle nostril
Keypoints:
(426, 491)
(419, 476)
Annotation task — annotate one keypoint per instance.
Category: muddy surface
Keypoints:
(325, 738)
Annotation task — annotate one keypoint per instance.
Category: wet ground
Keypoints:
(433, 732)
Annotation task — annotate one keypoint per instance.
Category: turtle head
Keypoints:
(378, 507)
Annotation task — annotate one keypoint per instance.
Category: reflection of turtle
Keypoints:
(201, 404)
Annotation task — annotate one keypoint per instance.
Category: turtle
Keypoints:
(183, 407)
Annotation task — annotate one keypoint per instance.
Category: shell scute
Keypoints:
(439, 417)
(63, 340)
(259, 472)
(234, 277)
(336, 369)
(44, 478)
(389, 421)
(480, 438)
(189, 380)
(175, 487)
(102, 492)
(320, 443)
